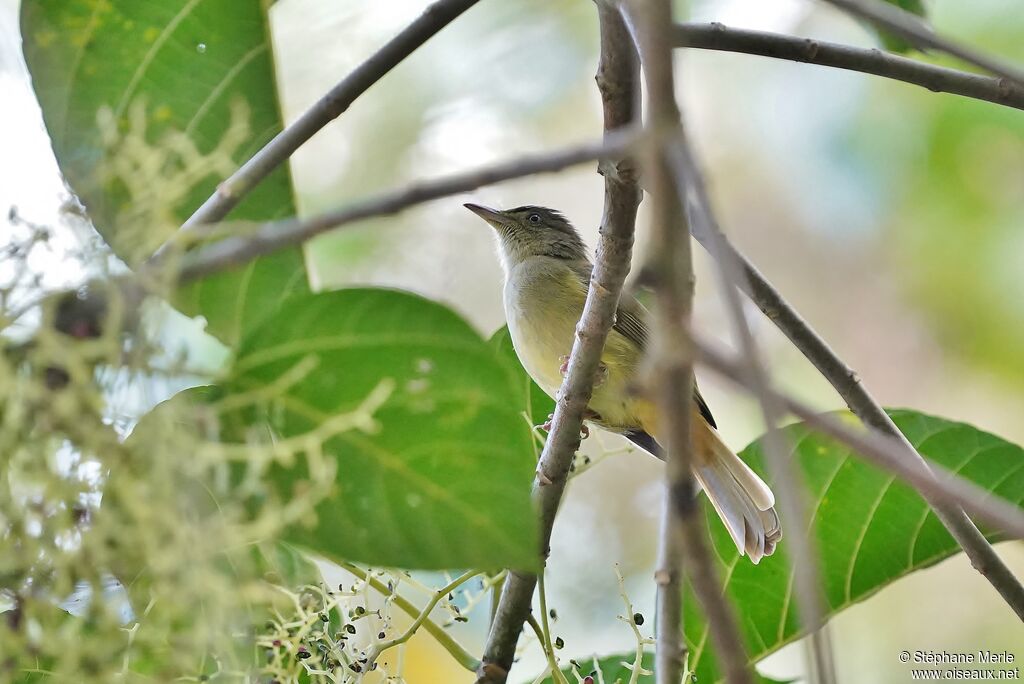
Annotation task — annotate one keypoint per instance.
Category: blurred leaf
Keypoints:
(894, 43)
(286, 565)
(954, 169)
(149, 105)
(540, 405)
(438, 477)
(871, 529)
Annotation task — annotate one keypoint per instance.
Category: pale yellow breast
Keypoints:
(543, 302)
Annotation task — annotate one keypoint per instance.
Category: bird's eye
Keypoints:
(534, 218)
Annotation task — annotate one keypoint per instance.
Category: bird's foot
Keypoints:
(584, 428)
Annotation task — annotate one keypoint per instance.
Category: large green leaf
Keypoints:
(441, 478)
(149, 105)
(871, 530)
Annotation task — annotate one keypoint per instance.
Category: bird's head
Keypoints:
(532, 231)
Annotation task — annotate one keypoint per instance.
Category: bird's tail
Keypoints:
(741, 498)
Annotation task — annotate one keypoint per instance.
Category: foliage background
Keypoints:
(891, 217)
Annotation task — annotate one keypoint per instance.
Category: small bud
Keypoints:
(552, 614)
(588, 680)
(350, 628)
(638, 619)
(360, 610)
(559, 643)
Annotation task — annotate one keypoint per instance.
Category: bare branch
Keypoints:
(670, 271)
(229, 193)
(918, 33)
(790, 489)
(846, 382)
(269, 237)
(717, 36)
(937, 485)
(617, 80)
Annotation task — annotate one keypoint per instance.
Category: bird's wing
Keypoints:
(631, 321)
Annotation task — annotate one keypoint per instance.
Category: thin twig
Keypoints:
(616, 79)
(424, 615)
(463, 657)
(546, 642)
(790, 489)
(269, 237)
(636, 670)
(670, 271)
(230, 192)
(846, 382)
(917, 32)
(934, 483)
(716, 36)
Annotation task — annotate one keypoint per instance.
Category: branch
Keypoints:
(846, 382)
(670, 270)
(269, 237)
(934, 483)
(717, 36)
(230, 192)
(617, 80)
(790, 490)
(915, 30)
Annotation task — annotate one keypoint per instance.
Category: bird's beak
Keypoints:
(492, 216)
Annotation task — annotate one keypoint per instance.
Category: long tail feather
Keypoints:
(742, 500)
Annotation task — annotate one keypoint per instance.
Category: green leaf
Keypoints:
(149, 105)
(440, 477)
(871, 529)
(616, 669)
(538, 404)
(895, 43)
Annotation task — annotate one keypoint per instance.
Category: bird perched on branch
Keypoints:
(547, 273)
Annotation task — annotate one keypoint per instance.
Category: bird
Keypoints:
(547, 273)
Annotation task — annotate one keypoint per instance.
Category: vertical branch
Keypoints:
(618, 82)
(670, 269)
(789, 487)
